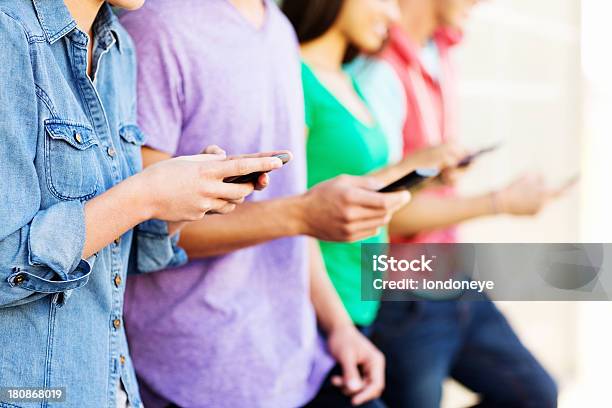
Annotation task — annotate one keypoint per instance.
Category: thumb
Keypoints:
(202, 158)
(367, 183)
(399, 199)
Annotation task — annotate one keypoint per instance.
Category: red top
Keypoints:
(430, 102)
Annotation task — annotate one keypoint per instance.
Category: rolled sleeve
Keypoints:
(40, 250)
(154, 248)
(49, 256)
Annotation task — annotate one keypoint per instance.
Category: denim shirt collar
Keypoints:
(56, 21)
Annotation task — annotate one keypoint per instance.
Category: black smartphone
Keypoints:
(253, 177)
(469, 159)
(411, 181)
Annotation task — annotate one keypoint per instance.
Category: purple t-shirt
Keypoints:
(237, 330)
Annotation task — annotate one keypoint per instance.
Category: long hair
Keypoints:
(313, 18)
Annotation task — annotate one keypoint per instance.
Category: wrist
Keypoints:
(143, 198)
(298, 215)
(495, 204)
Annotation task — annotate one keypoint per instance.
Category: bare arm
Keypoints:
(363, 366)
(115, 212)
(250, 224)
(525, 196)
(425, 212)
(330, 311)
(342, 209)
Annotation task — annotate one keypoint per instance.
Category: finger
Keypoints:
(365, 234)
(241, 167)
(358, 214)
(351, 378)
(262, 182)
(214, 149)
(202, 158)
(365, 227)
(263, 154)
(229, 191)
(374, 374)
(337, 381)
(395, 201)
(215, 205)
(559, 192)
(225, 209)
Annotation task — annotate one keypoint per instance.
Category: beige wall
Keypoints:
(521, 84)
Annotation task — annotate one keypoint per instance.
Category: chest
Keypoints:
(242, 88)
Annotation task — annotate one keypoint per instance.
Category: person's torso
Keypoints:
(243, 322)
(428, 80)
(339, 143)
(87, 142)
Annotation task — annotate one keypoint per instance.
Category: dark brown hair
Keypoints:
(313, 18)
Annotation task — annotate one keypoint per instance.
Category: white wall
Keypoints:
(523, 84)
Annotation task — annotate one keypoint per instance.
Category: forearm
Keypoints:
(112, 214)
(329, 309)
(425, 213)
(250, 224)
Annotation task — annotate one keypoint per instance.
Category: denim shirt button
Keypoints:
(122, 359)
(78, 138)
(111, 152)
(117, 280)
(19, 279)
(116, 323)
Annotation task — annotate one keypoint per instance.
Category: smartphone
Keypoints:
(411, 181)
(253, 177)
(470, 159)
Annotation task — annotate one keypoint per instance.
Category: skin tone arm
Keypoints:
(363, 366)
(429, 213)
(182, 189)
(526, 196)
(343, 209)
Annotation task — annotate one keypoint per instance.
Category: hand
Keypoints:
(363, 365)
(348, 209)
(525, 196)
(443, 156)
(187, 188)
(264, 179)
(214, 149)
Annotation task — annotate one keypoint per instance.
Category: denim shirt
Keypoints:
(65, 139)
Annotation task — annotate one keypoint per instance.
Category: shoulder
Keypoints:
(376, 76)
(18, 21)
(153, 21)
(373, 69)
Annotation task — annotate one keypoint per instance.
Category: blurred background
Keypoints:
(537, 76)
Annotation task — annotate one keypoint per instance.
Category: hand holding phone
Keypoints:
(254, 177)
(411, 181)
(467, 161)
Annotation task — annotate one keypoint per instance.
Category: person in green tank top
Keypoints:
(343, 136)
(341, 141)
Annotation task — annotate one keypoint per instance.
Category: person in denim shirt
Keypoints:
(73, 216)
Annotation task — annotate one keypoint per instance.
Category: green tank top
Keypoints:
(339, 143)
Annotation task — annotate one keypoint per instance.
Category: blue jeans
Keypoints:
(426, 342)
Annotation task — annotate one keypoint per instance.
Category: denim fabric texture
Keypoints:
(64, 139)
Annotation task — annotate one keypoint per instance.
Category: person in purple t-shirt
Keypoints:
(237, 327)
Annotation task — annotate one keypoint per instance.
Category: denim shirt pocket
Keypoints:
(132, 140)
(71, 162)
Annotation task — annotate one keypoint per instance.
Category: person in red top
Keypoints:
(427, 341)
